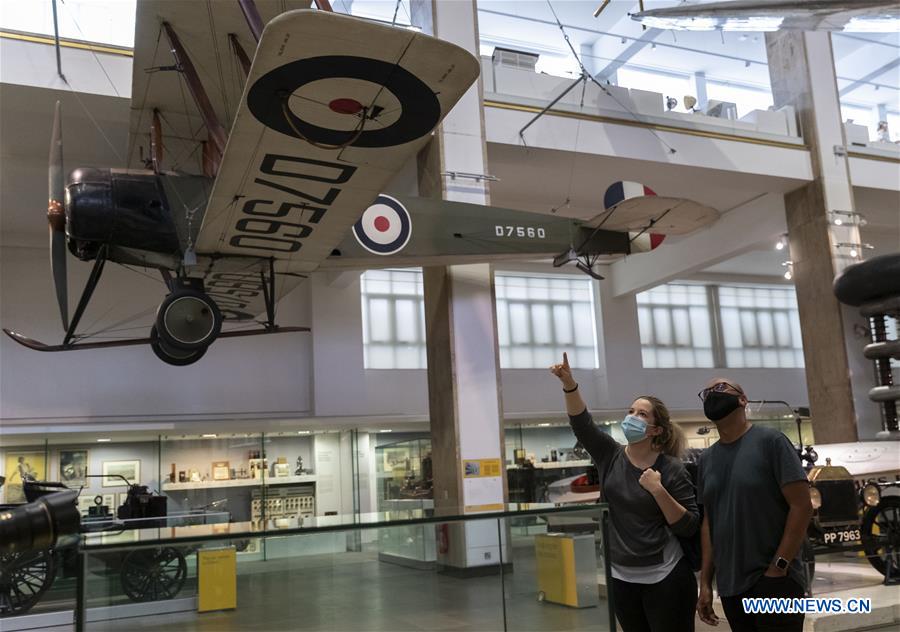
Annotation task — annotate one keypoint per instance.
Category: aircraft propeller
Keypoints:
(56, 218)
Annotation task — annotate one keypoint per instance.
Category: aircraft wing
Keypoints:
(204, 29)
(770, 15)
(333, 106)
(656, 214)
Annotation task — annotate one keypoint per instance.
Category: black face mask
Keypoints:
(717, 406)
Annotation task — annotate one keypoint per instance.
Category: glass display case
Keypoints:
(404, 482)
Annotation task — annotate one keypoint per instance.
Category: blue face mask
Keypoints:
(635, 429)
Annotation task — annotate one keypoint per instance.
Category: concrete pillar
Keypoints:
(801, 68)
(460, 317)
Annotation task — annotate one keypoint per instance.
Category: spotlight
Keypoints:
(782, 243)
(838, 221)
(853, 253)
(788, 275)
(671, 103)
(623, 40)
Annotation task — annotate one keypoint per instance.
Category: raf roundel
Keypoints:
(384, 228)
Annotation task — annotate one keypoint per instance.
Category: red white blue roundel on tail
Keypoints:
(384, 228)
(620, 191)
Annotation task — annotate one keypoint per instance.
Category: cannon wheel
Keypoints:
(24, 578)
(153, 574)
(880, 526)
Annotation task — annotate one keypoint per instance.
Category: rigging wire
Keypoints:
(589, 77)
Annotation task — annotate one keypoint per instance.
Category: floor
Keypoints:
(355, 591)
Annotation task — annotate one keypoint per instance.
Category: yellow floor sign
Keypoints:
(217, 579)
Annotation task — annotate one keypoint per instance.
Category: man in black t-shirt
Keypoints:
(756, 503)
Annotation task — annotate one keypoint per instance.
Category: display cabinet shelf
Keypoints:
(240, 482)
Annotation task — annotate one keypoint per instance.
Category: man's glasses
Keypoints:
(721, 387)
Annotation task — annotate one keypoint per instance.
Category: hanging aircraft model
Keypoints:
(329, 109)
(849, 16)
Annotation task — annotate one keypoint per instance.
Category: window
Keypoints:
(760, 327)
(539, 317)
(675, 327)
(393, 310)
(757, 325)
(102, 21)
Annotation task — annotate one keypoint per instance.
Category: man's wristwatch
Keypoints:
(780, 563)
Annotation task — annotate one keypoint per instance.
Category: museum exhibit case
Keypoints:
(491, 573)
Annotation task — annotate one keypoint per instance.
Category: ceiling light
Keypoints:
(624, 40)
(782, 243)
(103, 440)
(386, 430)
(854, 253)
(303, 432)
(543, 425)
(838, 221)
(788, 275)
(209, 436)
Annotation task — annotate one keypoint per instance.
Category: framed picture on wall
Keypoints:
(73, 467)
(114, 471)
(85, 502)
(22, 466)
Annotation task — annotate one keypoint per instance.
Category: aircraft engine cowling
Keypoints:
(121, 209)
(645, 242)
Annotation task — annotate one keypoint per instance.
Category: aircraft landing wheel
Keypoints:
(173, 355)
(188, 319)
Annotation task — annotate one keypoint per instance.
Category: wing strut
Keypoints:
(216, 132)
(86, 294)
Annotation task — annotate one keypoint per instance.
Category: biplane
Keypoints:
(324, 114)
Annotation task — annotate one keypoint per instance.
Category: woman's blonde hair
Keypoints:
(671, 440)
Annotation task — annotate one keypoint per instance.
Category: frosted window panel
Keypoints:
(544, 357)
(562, 324)
(380, 357)
(648, 358)
(665, 358)
(518, 323)
(499, 288)
(541, 324)
(407, 357)
(682, 327)
(587, 358)
(379, 320)
(796, 338)
(786, 358)
(538, 289)
(376, 286)
(561, 291)
(697, 296)
(727, 297)
(502, 324)
(421, 304)
(766, 329)
(745, 297)
(798, 359)
(678, 295)
(782, 329)
(645, 325)
(404, 286)
(752, 357)
(520, 358)
(584, 323)
(704, 358)
(516, 288)
(582, 293)
(662, 326)
(700, 330)
(423, 357)
(684, 357)
(770, 358)
(748, 329)
(734, 358)
(407, 318)
(504, 358)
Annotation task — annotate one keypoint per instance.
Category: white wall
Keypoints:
(269, 374)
